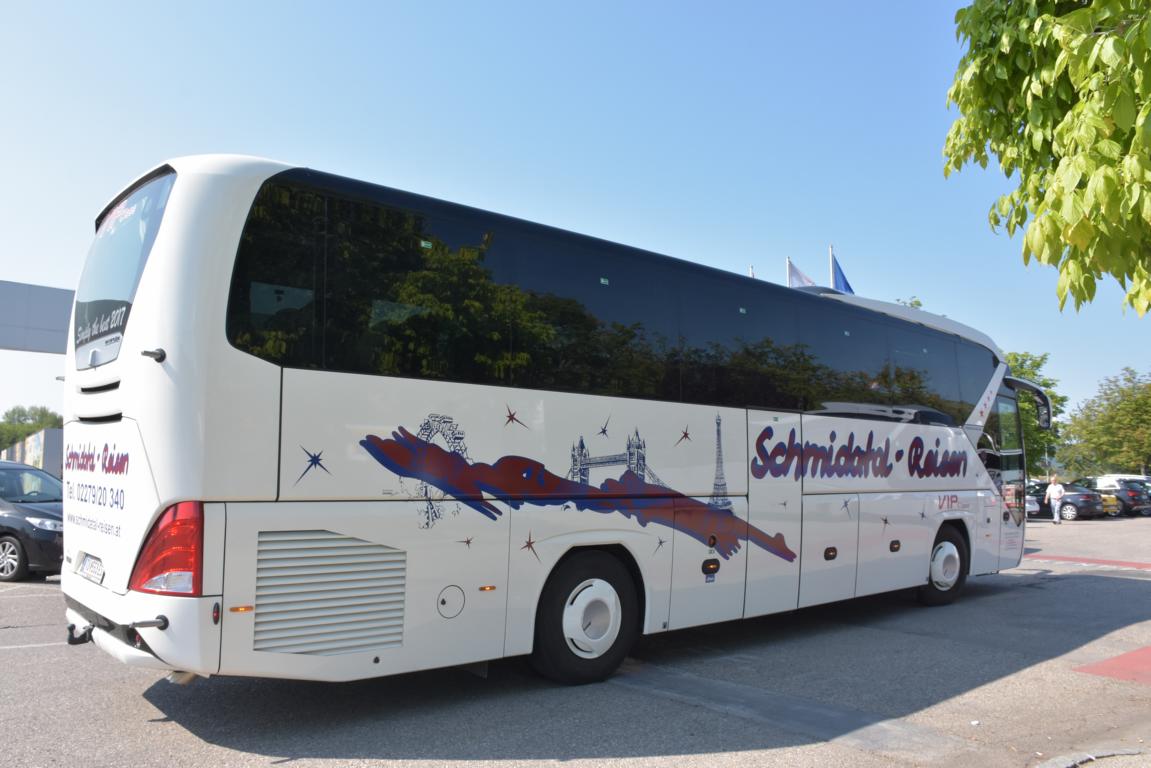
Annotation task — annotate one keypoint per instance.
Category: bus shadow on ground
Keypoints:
(771, 682)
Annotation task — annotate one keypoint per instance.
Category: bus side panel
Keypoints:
(345, 590)
(709, 577)
(896, 534)
(775, 505)
(830, 548)
(208, 412)
(372, 437)
(985, 520)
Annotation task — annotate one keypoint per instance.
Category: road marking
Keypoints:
(34, 594)
(31, 645)
(1127, 565)
(1134, 666)
(804, 717)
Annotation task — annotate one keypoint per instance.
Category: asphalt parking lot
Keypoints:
(1038, 666)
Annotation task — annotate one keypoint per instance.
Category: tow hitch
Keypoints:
(85, 635)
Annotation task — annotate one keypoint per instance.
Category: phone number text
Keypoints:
(97, 495)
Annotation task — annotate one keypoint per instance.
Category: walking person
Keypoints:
(1054, 497)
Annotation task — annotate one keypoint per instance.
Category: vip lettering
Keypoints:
(820, 460)
(949, 502)
(932, 462)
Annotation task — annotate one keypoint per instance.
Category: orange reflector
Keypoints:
(242, 608)
(488, 588)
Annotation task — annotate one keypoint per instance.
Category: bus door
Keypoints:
(775, 504)
(1001, 512)
(1012, 478)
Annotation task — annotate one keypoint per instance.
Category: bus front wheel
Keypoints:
(586, 620)
(947, 569)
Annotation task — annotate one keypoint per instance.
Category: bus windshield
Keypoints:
(112, 271)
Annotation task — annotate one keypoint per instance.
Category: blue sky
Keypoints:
(731, 134)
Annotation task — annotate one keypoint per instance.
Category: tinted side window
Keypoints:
(850, 366)
(611, 315)
(369, 280)
(976, 367)
(273, 307)
(925, 374)
(739, 344)
(406, 296)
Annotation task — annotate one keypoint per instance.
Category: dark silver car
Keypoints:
(1078, 501)
(31, 522)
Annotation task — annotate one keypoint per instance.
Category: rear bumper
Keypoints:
(190, 642)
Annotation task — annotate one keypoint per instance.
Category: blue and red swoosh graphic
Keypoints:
(516, 480)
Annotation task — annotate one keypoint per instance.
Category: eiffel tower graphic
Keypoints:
(719, 499)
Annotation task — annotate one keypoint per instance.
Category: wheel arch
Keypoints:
(961, 527)
(624, 556)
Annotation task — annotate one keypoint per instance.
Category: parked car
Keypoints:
(1031, 505)
(1111, 506)
(1078, 501)
(1132, 495)
(31, 522)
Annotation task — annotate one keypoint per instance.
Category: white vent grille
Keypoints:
(321, 593)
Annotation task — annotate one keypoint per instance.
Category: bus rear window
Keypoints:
(112, 270)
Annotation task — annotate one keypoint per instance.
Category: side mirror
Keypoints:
(1042, 401)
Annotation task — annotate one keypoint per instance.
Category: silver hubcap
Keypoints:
(592, 618)
(9, 558)
(945, 566)
(1068, 512)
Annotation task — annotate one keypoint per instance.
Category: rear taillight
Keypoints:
(172, 559)
(1132, 494)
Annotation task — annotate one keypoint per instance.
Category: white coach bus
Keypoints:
(323, 429)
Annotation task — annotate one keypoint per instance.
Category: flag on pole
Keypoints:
(838, 279)
(795, 278)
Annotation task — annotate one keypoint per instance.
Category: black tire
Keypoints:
(593, 587)
(1068, 511)
(13, 560)
(947, 568)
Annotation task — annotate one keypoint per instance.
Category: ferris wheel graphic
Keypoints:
(442, 431)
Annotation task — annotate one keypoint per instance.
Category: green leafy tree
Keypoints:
(19, 421)
(1059, 92)
(1038, 443)
(1112, 431)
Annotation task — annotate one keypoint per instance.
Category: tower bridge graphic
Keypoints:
(444, 430)
(634, 458)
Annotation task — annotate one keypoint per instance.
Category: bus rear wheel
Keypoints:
(586, 621)
(947, 569)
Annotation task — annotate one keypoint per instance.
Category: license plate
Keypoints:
(91, 568)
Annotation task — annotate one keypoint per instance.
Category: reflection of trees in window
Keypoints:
(272, 312)
(413, 293)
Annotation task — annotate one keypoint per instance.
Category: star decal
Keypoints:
(685, 436)
(511, 417)
(603, 429)
(530, 545)
(466, 542)
(659, 546)
(314, 460)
